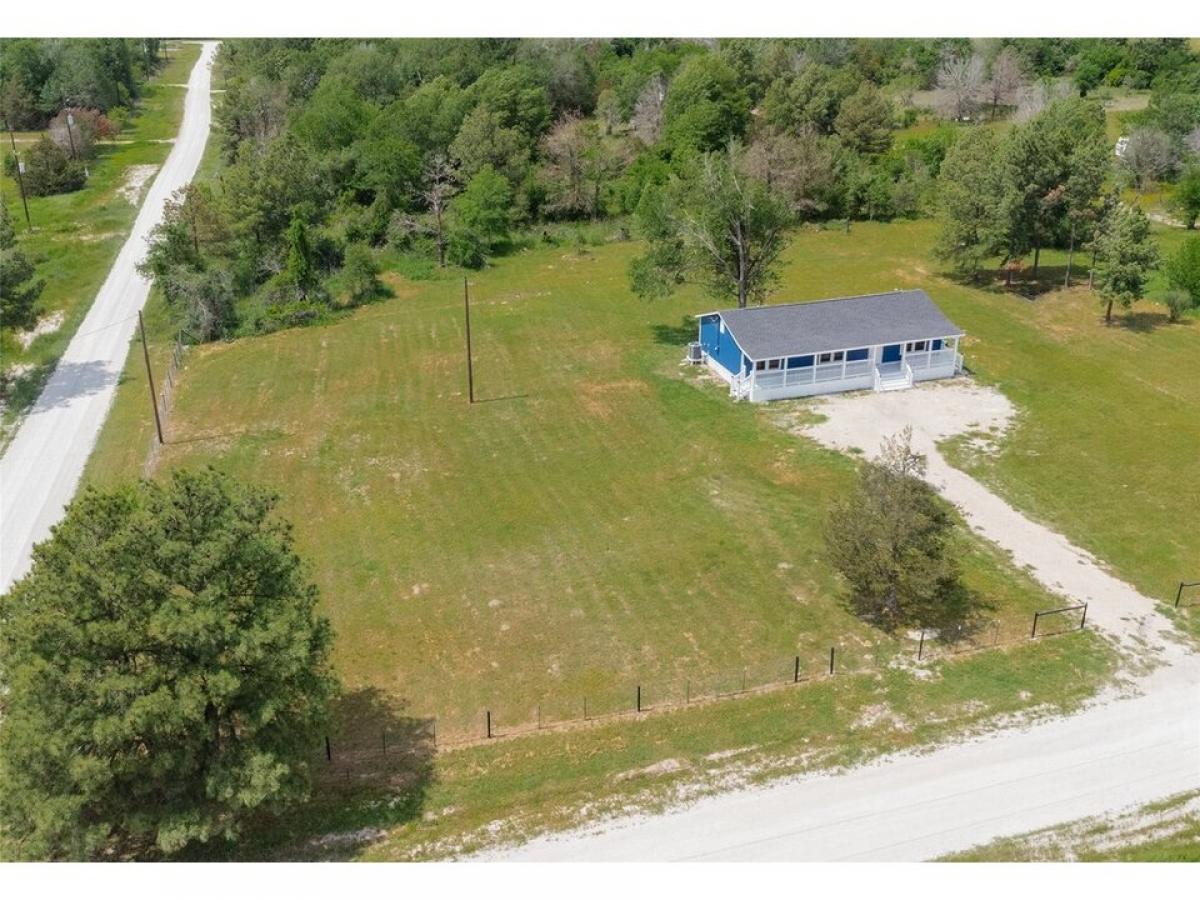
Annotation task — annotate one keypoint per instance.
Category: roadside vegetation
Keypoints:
(1165, 831)
(76, 235)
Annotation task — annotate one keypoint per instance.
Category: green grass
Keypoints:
(1166, 831)
(77, 236)
(597, 521)
(466, 800)
(604, 518)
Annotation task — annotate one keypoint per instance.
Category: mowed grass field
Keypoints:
(76, 236)
(600, 517)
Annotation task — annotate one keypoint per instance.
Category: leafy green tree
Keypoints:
(809, 98)
(484, 141)
(1182, 269)
(1052, 164)
(50, 170)
(19, 290)
(864, 122)
(205, 297)
(1185, 201)
(1126, 254)
(360, 273)
(718, 227)
(482, 218)
(301, 271)
(706, 106)
(164, 671)
(896, 544)
(517, 97)
(334, 116)
(970, 202)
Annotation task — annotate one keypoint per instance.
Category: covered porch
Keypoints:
(878, 367)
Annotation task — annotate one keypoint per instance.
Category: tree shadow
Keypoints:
(1144, 321)
(373, 774)
(675, 335)
(1024, 284)
(70, 381)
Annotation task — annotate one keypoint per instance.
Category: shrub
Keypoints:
(49, 170)
(1178, 302)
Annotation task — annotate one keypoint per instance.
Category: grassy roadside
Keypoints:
(1165, 831)
(77, 236)
(466, 800)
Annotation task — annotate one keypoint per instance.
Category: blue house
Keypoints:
(876, 342)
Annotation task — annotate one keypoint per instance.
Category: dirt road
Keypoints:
(42, 466)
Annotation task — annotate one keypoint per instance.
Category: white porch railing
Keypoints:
(839, 371)
(931, 359)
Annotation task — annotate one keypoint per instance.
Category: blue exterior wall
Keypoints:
(721, 347)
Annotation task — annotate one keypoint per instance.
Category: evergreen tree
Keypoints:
(164, 672)
(1125, 255)
(19, 290)
(301, 273)
(970, 201)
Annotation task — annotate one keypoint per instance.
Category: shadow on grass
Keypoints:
(1144, 321)
(376, 776)
(675, 335)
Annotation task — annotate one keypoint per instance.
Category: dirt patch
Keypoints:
(881, 715)
(136, 179)
(663, 767)
(45, 325)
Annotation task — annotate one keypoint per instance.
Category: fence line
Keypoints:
(769, 677)
(1179, 593)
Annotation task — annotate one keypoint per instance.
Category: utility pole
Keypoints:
(150, 379)
(470, 370)
(20, 177)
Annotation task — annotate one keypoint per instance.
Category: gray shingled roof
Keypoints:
(765, 332)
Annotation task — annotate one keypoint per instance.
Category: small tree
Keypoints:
(1006, 79)
(19, 290)
(1185, 201)
(896, 544)
(1125, 255)
(970, 201)
(360, 272)
(959, 85)
(1182, 269)
(441, 183)
(482, 218)
(164, 672)
(864, 122)
(50, 170)
(1149, 156)
(301, 272)
(719, 227)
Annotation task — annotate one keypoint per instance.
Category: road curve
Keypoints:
(42, 466)
(917, 807)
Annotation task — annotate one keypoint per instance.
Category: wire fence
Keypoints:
(167, 392)
(1187, 595)
(369, 746)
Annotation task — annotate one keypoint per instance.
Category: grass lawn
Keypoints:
(77, 236)
(604, 518)
(1165, 831)
(599, 520)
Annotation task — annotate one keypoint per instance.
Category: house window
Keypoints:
(915, 346)
(774, 363)
(760, 365)
(836, 356)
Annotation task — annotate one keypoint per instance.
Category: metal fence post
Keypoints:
(639, 698)
(1083, 621)
(831, 660)
(1033, 633)
(796, 672)
(489, 723)
(921, 646)
(328, 750)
